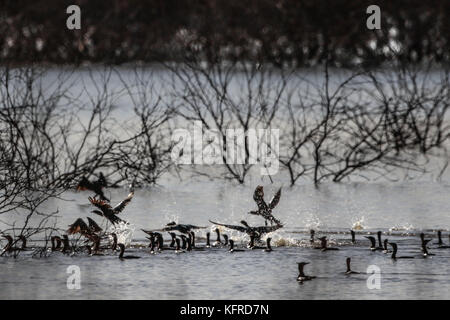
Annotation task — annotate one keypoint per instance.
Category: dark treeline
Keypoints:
(282, 32)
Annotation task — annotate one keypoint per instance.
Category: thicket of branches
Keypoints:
(52, 136)
(58, 126)
(282, 32)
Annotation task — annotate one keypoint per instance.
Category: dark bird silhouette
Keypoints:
(323, 245)
(225, 238)
(56, 243)
(440, 243)
(251, 244)
(385, 247)
(311, 235)
(268, 246)
(349, 270)
(380, 243)
(264, 209)
(96, 186)
(425, 249)
(353, 236)
(66, 244)
(109, 212)
(183, 228)
(122, 251)
(8, 248)
(218, 241)
(257, 232)
(301, 275)
(394, 252)
(172, 242)
(208, 244)
(24, 242)
(178, 247)
(232, 249)
(184, 241)
(79, 226)
(373, 243)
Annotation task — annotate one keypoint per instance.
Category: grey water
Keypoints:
(401, 211)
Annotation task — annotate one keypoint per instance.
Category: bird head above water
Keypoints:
(243, 222)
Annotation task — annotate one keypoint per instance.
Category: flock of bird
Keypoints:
(382, 246)
(182, 236)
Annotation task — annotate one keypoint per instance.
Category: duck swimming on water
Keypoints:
(353, 236)
(440, 243)
(8, 248)
(394, 252)
(323, 245)
(208, 244)
(56, 243)
(349, 270)
(373, 243)
(380, 243)
(301, 275)
(425, 249)
(122, 251)
(311, 236)
(178, 248)
(251, 244)
(268, 246)
(218, 240)
(232, 249)
(385, 247)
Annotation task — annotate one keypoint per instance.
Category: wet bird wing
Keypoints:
(267, 229)
(101, 204)
(93, 225)
(229, 226)
(190, 226)
(79, 226)
(84, 184)
(276, 198)
(102, 180)
(258, 196)
(119, 208)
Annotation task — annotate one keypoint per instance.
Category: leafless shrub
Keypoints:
(228, 95)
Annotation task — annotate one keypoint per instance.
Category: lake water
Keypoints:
(400, 210)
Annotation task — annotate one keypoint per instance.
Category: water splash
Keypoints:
(313, 222)
(407, 227)
(358, 224)
(124, 232)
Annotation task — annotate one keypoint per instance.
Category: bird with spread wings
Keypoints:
(264, 209)
(79, 226)
(109, 212)
(256, 232)
(173, 226)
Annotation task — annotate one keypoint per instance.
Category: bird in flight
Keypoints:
(109, 212)
(264, 209)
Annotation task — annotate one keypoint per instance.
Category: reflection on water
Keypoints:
(400, 210)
